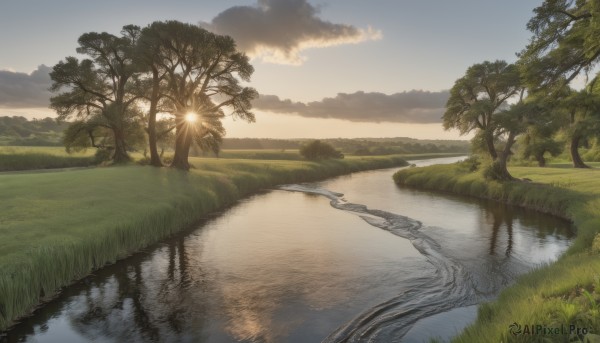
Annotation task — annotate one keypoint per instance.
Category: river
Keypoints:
(304, 263)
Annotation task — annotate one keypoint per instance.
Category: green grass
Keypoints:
(294, 155)
(549, 295)
(260, 154)
(58, 226)
(13, 158)
(17, 158)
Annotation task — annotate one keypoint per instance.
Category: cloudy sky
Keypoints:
(324, 68)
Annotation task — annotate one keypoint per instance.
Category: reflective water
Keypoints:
(308, 266)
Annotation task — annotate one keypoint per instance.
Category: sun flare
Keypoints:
(191, 117)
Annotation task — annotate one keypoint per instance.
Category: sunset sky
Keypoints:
(324, 68)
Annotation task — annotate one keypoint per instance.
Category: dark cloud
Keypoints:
(407, 107)
(277, 30)
(22, 90)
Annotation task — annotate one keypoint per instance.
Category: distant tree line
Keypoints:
(17, 130)
(49, 132)
(531, 103)
(260, 143)
(356, 146)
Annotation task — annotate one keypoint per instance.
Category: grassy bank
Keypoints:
(563, 293)
(260, 154)
(13, 158)
(57, 227)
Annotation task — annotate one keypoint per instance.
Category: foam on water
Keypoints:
(450, 287)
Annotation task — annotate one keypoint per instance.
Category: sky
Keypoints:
(324, 68)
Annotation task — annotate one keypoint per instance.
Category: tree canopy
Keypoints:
(97, 90)
(317, 150)
(201, 74)
(167, 67)
(565, 42)
(478, 102)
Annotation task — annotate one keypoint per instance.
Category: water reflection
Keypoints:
(137, 302)
(500, 216)
(287, 267)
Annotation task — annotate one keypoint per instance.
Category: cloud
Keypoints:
(278, 30)
(22, 90)
(407, 107)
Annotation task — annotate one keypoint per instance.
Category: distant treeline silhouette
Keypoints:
(356, 146)
(18, 130)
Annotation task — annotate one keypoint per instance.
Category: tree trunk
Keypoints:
(499, 170)
(489, 141)
(540, 159)
(577, 161)
(154, 156)
(152, 137)
(183, 141)
(120, 155)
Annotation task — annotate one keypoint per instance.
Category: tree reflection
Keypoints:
(500, 215)
(139, 301)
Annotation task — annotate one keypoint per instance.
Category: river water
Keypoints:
(304, 263)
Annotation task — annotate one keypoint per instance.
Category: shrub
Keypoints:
(317, 150)
(470, 164)
(102, 155)
(167, 160)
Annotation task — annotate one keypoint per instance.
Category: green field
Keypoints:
(13, 158)
(260, 154)
(18, 158)
(58, 226)
(565, 292)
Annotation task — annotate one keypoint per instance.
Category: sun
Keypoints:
(191, 117)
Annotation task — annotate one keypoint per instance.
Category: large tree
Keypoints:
(478, 102)
(201, 72)
(97, 90)
(583, 111)
(565, 42)
(539, 137)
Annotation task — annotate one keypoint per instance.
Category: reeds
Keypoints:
(15, 158)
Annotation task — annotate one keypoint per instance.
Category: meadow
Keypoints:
(259, 154)
(58, 226)
(14, 158)
(562, 293)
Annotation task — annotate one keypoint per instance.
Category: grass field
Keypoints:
(13, 158)
(260, 154)
(566, 292)
(294, 155)
(17, 158)
(58, 226)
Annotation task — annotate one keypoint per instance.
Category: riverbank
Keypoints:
(563, 293)
(57, 227)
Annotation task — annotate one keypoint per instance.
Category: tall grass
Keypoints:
(551, 294)
(261, 154)
(27, 158)
(57, 227)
